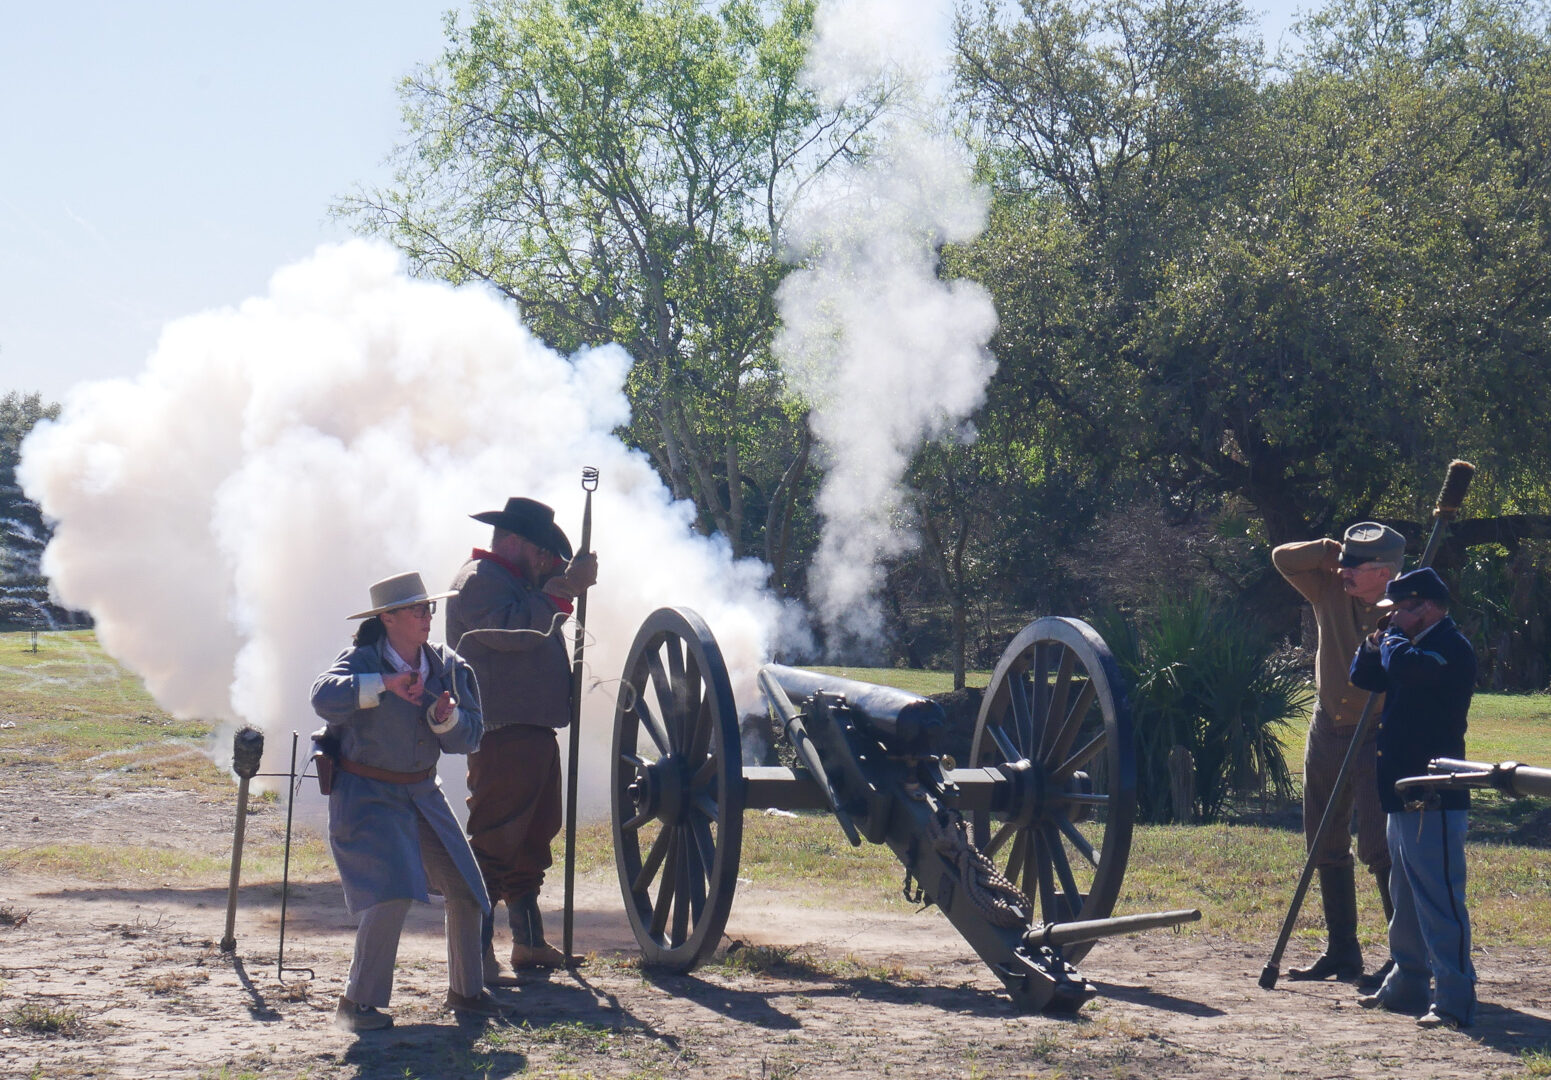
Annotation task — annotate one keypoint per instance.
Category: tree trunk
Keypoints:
(778, 521)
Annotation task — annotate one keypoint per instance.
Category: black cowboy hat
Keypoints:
(531, 520)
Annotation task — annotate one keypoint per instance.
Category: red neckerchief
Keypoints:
(506, 564)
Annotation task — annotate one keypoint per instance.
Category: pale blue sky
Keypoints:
(162, 158)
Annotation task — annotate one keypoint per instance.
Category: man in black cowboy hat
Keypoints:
(505, 618)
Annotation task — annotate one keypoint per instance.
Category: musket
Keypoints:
(1452, 494)
(573, 756)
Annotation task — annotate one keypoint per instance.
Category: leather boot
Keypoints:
(1343, 956)
(1376, 979)
(529, 949)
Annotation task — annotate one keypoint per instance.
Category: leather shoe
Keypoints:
(492, 972)
(542, 955)
(1328, 965)
(1435, 1019)
(1375, 979)
(351, 1017)
(1372, 1001)
(480, 1005)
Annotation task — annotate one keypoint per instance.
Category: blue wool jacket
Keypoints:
(373, 826)
(1428, 684)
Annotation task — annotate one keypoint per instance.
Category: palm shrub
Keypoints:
(1206, 677)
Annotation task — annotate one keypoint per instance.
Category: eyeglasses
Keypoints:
(421, 611)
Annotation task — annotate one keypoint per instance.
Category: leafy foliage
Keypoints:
(622, 170)
(23, 532)
(1205, 678)
(1309, 291)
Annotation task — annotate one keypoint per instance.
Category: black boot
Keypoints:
(1376, 979)
(529, 949)
(1343, 956)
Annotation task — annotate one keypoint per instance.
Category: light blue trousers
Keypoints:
(1429, 937)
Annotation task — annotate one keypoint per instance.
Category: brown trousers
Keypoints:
(1322, 759)
(514, 807)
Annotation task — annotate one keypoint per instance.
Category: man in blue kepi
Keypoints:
(1427, 670)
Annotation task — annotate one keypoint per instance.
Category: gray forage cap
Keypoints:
(1368, 541)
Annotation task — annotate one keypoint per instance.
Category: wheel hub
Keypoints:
(658, 790)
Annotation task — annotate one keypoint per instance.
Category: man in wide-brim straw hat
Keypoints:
(394, 703)
(506, 614)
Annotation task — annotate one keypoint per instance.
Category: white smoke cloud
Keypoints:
(222, 513)
(886, 352)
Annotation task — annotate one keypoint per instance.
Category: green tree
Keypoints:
(622, 170)
(23, 532)
(1307, 292)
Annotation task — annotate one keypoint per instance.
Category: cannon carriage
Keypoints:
(1023, 847)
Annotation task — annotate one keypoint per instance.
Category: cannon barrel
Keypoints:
(895, 715)
(1508, 776)
(1072, 933)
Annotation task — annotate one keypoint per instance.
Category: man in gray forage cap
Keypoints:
(1343, 582)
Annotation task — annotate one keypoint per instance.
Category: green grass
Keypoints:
(70, 704)
(917, 682)
(1537, 1062)
(310, 861)
(1510, 727)
(73, 707)
(39, 1019)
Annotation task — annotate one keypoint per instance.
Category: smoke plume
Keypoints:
(222, 513)
(884, 351)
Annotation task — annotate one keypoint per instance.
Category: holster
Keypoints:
(325, 758)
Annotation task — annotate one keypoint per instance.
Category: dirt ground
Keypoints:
(136, 965)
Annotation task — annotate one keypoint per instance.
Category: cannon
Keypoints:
(1022, 848)
(1508, 777)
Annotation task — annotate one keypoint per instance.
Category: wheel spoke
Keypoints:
(1004, 744)
(698, 706)
(653, 861)
(681, 714)
(706, 806)
(672, 724)
(1063, 872)
(665, 893)
(1049, 903)
(1022, 722)
(705, 843)
(1039, 697)
(1016, 857)
(654, 728)
(1069, 727)
(696, 872)
(633, 761)
(1057, 709)
(1091, 749)
(640, 818)
(706, 775)
(682, 898)
(998, 840)
(1079, 841)
(700, 739)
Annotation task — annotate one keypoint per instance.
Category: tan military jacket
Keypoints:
(1310, 567)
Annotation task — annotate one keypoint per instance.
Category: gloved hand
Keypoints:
(578, 576)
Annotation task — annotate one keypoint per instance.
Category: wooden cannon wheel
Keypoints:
(1057, 708)
(677, 789)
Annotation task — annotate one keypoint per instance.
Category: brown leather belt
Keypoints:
(371, 772)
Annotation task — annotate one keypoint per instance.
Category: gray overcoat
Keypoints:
(373, 827)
